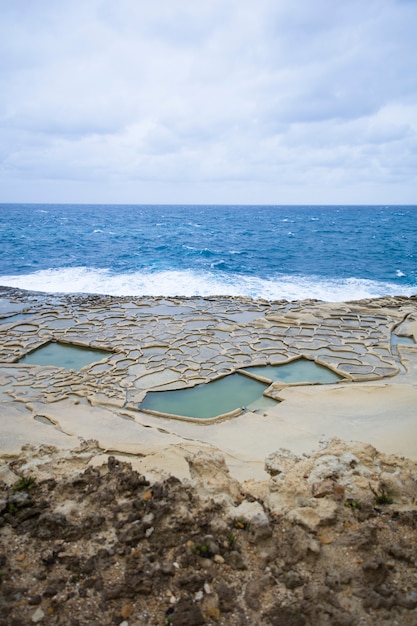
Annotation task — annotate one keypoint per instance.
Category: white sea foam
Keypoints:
(190, 283)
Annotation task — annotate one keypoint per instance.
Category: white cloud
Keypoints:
(217, 101)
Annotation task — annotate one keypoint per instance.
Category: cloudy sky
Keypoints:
(210, 101)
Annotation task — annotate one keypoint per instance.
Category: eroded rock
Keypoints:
(105, 544)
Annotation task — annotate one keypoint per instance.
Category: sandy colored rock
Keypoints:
(210, 474)
(303, 512)
(375, 403)
(328, 488)
(85, 527)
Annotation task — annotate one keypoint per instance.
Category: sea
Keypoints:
(330, 253)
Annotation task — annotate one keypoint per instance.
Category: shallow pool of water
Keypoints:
(210, 399)
(397, 339)
(299, 371)
(15, 318)
(64, 355)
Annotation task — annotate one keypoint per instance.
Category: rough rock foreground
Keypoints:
(330, 538)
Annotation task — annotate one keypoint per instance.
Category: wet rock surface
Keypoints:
(84, 544)
(173, 343)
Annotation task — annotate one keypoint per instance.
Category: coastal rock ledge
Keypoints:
(327, 538)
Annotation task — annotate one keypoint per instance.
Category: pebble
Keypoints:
(126, 611)
(213, 612)
(38, 615)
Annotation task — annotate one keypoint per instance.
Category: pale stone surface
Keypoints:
(320, 513)
(168, 343)
(278, 462)
(208, 470)
(360, 468)
(248, 511)
(7, 476)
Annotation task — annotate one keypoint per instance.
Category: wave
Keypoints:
(190, 283)
(204, 252)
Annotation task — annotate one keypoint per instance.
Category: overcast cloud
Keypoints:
(217, 101)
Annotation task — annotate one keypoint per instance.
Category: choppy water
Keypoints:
(332, 253)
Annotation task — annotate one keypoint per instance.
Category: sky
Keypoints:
(217, 101)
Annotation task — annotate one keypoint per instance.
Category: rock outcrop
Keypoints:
(330, 538)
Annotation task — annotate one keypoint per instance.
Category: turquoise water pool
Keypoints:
(235, 391)
(63, 355)
(406, 341)
(209, 400)
(298, 371)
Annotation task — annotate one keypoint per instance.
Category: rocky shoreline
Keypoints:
(273, 518)
(158, 344)
(329, 538)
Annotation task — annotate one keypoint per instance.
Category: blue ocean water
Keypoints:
(331, 253)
